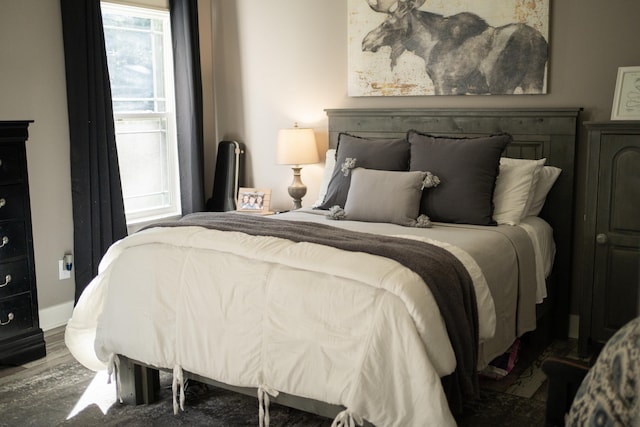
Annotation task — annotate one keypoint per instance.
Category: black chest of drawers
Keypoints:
(21, 339)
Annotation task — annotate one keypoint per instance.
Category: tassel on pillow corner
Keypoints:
(336, 213)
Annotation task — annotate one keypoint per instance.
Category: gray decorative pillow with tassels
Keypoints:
(386, 196)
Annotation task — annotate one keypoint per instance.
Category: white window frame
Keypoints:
(173, 209)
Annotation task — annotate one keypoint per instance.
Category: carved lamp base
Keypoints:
(297, 189)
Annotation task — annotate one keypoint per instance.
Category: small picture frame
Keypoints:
(255, 200)
(626, 100)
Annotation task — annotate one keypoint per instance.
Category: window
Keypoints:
(138, 44)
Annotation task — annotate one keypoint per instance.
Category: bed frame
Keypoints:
(537, 133)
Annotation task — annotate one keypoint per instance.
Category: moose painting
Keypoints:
(414, 51)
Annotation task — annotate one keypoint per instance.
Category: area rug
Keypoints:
(70, 395)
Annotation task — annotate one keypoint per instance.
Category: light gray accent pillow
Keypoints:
(379, 154)
(467, 168)
(384, 196)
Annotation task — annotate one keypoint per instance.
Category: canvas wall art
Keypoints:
(447, 47)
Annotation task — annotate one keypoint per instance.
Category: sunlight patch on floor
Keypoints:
(97, 393)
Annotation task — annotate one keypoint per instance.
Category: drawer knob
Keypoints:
(3, 202)
(602, 239)
(5, 241)
(10, 317)
(7, 280)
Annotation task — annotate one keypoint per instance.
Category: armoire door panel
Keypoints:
(616, 290)
(610, 295)
(625, 189)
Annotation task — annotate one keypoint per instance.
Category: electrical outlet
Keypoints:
(63, 273)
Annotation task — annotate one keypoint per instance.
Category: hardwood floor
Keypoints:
(57, 353)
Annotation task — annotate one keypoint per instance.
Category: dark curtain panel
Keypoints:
(188, 82)
(98, 207)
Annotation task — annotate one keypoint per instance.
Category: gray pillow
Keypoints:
(467, 168)
(384, 196)
(379, 154)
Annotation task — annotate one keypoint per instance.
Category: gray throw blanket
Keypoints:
(443, 273)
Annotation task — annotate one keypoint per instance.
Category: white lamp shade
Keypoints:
(296, 146)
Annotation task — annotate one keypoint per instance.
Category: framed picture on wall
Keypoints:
(464, 47)
(255, 200)
(626, 100)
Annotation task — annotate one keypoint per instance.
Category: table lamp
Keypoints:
(297, 146)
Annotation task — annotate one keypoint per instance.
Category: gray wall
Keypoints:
(268, 79)
(267, 64)
(32, 86)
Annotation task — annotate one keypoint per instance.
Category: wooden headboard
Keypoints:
(537, 133)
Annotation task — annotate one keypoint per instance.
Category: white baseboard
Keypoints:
(58, 315)
(574, 325)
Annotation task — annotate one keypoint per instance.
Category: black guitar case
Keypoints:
(228, 177)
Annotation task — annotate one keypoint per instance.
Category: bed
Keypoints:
(322, 309)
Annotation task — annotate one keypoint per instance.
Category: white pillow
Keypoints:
(514, 189)
(547, 177)
(384, 196)
(329, 165)
(532, 191)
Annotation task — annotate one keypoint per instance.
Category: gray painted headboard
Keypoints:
(537, 133)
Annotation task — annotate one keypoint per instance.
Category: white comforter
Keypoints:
(345, 328)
